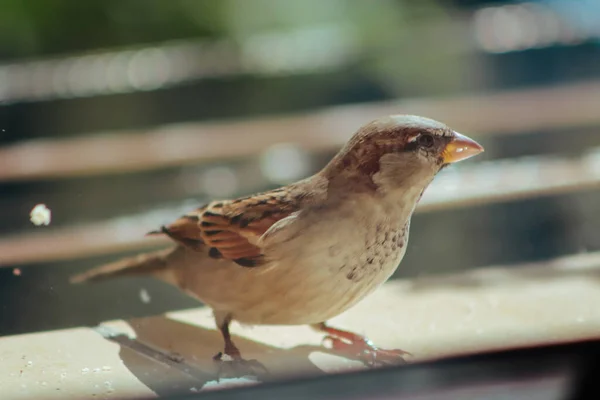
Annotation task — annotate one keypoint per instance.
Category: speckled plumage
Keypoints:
(305, 253)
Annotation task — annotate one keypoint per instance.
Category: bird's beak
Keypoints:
(460, 148)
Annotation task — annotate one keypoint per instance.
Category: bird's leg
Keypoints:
(360, 347)
(239, 365)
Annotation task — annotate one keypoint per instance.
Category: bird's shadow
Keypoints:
(173, 357)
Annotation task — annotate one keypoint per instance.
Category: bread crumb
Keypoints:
(40, 215)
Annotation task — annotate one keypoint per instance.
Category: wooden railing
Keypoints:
(567, 106)
(487, 182)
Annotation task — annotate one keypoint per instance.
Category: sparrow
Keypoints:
(306, 252)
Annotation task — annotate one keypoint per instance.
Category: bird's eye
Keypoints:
(425, 140)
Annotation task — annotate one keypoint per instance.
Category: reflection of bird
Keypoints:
(306, 252)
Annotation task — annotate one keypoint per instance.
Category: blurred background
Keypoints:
(120, 115)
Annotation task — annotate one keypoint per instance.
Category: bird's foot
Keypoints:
(234, 366)
(363, 349)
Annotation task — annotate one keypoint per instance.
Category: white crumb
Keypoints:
(85, 370)
(40, 215)
(106, 368)
(145, 296)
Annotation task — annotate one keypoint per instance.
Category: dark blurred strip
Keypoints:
(489, 182)
(566, 106)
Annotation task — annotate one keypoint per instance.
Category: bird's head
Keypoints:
(400, 153)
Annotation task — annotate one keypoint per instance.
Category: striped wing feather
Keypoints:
(231, 229)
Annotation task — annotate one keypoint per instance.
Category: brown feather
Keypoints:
(143, 264)
(231, 229)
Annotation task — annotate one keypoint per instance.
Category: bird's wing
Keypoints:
(232, 229)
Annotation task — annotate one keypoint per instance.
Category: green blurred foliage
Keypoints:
(41, 27)
(403, 43)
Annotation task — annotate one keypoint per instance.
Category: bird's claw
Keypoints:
(364, 350)
(237, 367)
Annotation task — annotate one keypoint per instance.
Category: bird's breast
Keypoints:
(330, 262)
(333, 263)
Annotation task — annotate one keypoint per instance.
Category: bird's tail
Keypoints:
(143, 264)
